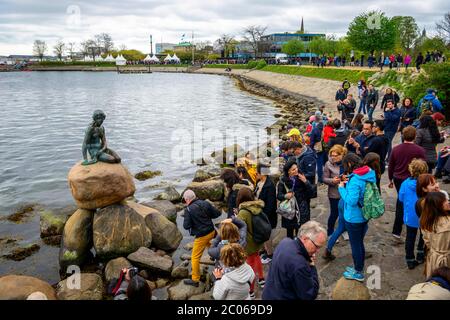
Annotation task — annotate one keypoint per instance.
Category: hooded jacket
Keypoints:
(341, 137)
(217, 245)
(437, 105)
(232, 196)
(353, 194)
(316, 134)
(246, 210)
(306, 163)
(234, 285)
(291, 276)
(408, 196)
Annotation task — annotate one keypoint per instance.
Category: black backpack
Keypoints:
(261, 228)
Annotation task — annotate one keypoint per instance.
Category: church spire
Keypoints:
(302, 29)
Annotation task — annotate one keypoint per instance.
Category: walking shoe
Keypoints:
(350, 269)
(266, 259)
(252, 295)
(420, 257)
(261, 283)
(327, 255)
(358, 276)
(191, 282)
(345, 236)
(412, 264)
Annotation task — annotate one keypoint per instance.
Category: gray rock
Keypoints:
(51, 224)
(114, 267)
(170, 194)
(188, 246)
(210, 189)
(165, 207)
(180, 291)
(203, 296)
(185, 256)
(207, 172)
(228, 155)
(165, 234)
(16, 287)
(181, 271)
(91, 287)
(350, 290)
(147, 259)
(77, 239)
(118, 231)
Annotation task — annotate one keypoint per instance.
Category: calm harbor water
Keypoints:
(43, 116)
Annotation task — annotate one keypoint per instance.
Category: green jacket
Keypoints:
(246, 210)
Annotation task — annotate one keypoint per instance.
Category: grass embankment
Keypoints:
(324, 73)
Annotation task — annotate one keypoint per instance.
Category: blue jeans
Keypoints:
(340, 229)
(320, 164)
(362, 106)
(334, 214)
(370, 111)
(440, 162)
(390, 135)
(356, 233)
(411, 234)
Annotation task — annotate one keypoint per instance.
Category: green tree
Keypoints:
(132, 54)
(372, 31)
(293, 47)
(407, 32)
(344, 47)
(431, 44)
(318, 45)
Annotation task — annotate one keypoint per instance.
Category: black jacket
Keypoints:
(379, 145)
(268, 194)
(302, 192)
(231, 202)
(393, 96)
(408, 115)
(348, 110)
(372, 98)
(341, 137)
(340, 95)
(198, 218)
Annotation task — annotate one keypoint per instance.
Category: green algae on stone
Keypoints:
(147, 174)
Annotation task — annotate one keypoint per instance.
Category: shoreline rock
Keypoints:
(100, 184)
(18, 287)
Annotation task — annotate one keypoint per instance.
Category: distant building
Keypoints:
(183, 46)
(30, 58)
(161, 47)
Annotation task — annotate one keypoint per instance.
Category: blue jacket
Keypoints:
(392, 120)
(408, 196)
(291, 277)
(437, 106)
(353, 194)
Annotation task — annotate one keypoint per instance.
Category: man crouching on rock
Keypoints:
(198, 220)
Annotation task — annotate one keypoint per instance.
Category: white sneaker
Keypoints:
(261, 283)
(266, 259)
(252, 295)
(345, 236)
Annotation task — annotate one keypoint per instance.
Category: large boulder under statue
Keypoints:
(100, 184)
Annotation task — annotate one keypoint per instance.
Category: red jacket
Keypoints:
(328, 132)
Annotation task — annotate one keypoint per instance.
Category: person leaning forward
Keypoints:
(198, 217)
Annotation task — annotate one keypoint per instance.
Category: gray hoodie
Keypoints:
(235, 284)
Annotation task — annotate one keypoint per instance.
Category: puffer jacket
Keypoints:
(234, 284)
(408, 196)
(246, 210)
(198, 218)
(437, 105)
(217, 245)
(330, 171)
(353, 194)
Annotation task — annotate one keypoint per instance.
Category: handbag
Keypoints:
(288, 208)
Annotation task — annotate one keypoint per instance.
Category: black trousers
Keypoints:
(411, 234)
(398, 222)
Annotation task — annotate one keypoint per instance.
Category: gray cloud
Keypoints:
(131, 21)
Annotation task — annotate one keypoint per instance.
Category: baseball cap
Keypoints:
(293, 132)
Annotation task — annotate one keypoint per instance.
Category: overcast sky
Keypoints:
(130, 22)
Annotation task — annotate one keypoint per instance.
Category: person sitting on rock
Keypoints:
(95, 142)
(437, 287)
(198, 217)
(234, 276)
(232, 230)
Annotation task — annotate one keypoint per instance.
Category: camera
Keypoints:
(132, 272)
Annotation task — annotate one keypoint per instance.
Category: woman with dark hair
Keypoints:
(372, 160)
(244, 177)
(428, 137)
(435, 226)
(131, 287)
(353, 198)
(248, 207)
(294, 184)
(233, 184)
(408, 113)
(357, 123)
(437, 287)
